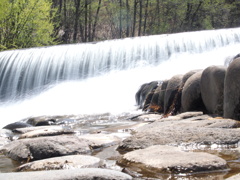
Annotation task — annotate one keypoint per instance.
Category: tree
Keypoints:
(25, 23)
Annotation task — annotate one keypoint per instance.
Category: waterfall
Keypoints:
(102, 76)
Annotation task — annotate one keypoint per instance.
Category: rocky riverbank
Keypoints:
(144, 146)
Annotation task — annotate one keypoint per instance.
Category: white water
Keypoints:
(113, 92)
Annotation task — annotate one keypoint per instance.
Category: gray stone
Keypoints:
(45, 147)
(212, 87)
(171, 91)
(196, 131)
(169, 159)
(70, 174)
(43, 131)
(191, 94)
(101, 140)
(162, 94)
(188, 75)
(64, 162)
(232, 91)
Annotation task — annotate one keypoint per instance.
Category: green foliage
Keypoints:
(25, 23)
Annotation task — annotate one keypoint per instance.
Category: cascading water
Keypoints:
(102, 77)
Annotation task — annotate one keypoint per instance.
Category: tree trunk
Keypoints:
(134, 18)
(96, 19)
(77, 15)
(145, 18)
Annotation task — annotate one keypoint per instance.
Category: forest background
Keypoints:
(33, 23)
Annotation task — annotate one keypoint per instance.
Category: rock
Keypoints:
(235, 177)
(44, 131)
(101, 140)
(167, 159)
(186, 115)
(69, 174)
(64, 162)
(188, 75)
(3, 141)
(162, 95)
(212, 87)
(15, 125)
(192, 132)
(142, 93)
(45, 147)
(191, 94)
(232, 91)
(46, 122)
(171, 92)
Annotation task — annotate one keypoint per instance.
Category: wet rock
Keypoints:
(212, 86)
(167, 159)
(232, 91)
(197, 131)
(43, 131)
(15, 125)
(64, 162)
(143, 92)
(76, 174)
(162, 95)
(45, 147)
(171, 92)
(191, 94)
(46, 122)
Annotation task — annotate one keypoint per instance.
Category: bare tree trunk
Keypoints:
(140, 18)
(145, 18)
(134, 17)
(120, 20)
(89, 21)
(77, 15)
(96, 19)
(86, 21)
(128, 18)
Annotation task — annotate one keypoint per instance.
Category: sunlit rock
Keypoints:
(69, 174)
(168, 159)
(64, 162)
(45, 147)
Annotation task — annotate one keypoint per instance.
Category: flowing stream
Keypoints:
(102, 77)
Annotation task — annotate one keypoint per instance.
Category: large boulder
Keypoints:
(168, 159)
(171, 92)
(45, 147)
(191, 130)
(162, 94)
(232, 91)
(191, 94)
(212, 87)
(64, 162)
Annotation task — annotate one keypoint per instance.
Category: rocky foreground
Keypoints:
(190, 145)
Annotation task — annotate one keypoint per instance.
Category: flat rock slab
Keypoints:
(70, 174)
(101, 140)
(45, 147)
(201, 130)
(43, 131)
(168, 159)
(64, 162)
